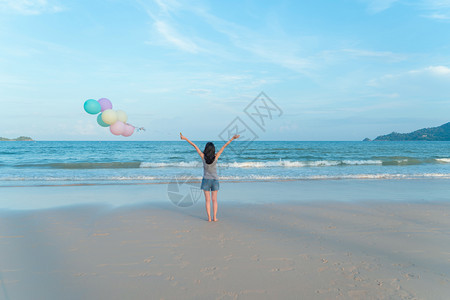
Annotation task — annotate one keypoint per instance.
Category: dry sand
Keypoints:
(320, 250)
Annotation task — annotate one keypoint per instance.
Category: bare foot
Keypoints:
(215, 219)
(209, 220)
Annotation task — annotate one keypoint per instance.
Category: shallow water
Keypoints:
(62, 163)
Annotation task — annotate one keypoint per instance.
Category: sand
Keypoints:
(272, 249)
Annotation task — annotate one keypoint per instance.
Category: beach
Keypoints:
(324, 126)
(311, 239)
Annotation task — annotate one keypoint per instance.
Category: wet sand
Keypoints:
(268, 250)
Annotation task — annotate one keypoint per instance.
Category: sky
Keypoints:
(337, 70)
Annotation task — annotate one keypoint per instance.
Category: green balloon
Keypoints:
(92, 106)
(100, 121)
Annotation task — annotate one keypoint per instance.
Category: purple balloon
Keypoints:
(117, 128)
(128, 131)
(105, 104)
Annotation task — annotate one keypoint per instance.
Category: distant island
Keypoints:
(440, 133)
(20, 138)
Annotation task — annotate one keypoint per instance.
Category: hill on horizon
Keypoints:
(440, 133)
(20, 138)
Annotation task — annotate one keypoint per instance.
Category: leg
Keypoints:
(208, 204)
(214, 201)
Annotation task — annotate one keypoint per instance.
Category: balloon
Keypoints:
(109, 116)
(117, 128)
(105, 104)
(92, 107)
(122, 116)
(100, 121)
(128, 131)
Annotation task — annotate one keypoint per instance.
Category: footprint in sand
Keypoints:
(285, 269)
(148, 260)
(208, 270)
(101, 234)
(145, 274)
(287, 262)
(256, 293)
(255, 257)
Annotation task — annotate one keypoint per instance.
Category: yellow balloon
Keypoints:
(109, 116)
(122, 116)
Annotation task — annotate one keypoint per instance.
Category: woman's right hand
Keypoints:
(182, 136)
(236, 136)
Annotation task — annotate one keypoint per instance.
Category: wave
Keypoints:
(166, 179)
(191, 164)
(387, 161)
(443, 160)
(86, 165)
(337, 177)
(405, 160)
(266, 164)
(299, 164)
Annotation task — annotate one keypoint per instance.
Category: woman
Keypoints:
(210, 181)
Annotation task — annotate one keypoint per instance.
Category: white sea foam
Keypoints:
(362, 162)
(299, 164)
(264, 164)
(443, 160)
(335, 177)
(191, 164)
(252, 177)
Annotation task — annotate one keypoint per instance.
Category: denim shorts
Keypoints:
(210, 184)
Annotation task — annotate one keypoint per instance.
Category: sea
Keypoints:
(50, 163)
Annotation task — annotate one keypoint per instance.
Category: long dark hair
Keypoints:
(209, 153)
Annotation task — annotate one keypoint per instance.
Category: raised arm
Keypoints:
(226, 144)
(195, 146)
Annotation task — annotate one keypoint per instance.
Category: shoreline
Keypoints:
(362, 177)
(303, 191)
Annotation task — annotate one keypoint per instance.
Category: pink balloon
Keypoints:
(117, 128)
(105, 104)
(128, 131)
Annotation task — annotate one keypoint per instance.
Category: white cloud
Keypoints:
(277, 50)
(387, 55)
(175, 38)
(437, 4)
(29, 7)
(168, 5)
(163, 12)
(438, 70)
(376, 6)
(438, 16)
(439, 10)
(426, 88)
(282, 51)
(431, 70)
(199, 92)
(436, 9)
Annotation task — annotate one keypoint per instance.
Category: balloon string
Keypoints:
(139, 128)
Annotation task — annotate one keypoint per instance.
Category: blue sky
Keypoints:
(339, 70)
